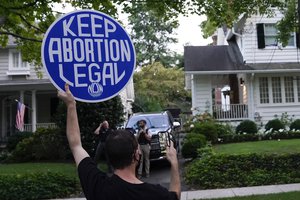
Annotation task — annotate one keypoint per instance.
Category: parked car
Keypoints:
(161, 126)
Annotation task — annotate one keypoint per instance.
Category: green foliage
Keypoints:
(274, 125)
(157, 87)
(151, 34)
(225, 171)
(191, 144)
(15, 139)
(295, 125)
(44, 144)
(223, 129)
(36, 186)
(90, 115)
(246, 126)
(208, 129)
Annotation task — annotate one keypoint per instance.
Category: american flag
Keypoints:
(20, 116)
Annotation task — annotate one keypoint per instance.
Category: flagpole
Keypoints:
(24, 104)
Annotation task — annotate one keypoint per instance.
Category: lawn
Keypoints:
(280, 196)
(68, 169)
(266, 146)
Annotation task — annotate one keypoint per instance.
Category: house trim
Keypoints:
(243, 71)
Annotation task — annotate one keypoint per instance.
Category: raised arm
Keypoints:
(73, 131)
(175, 185)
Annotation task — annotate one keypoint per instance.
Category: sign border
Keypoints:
(62, 89)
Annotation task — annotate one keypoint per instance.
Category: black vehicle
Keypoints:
(161, 126)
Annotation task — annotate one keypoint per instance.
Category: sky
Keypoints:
(188, 32)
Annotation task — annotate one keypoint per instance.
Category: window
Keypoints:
(276, 90)
(267, 36)
(264, 90)
(16, 65)
(289, 89)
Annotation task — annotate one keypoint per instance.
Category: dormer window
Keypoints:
(16, 66)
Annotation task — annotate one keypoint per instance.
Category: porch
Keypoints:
(231, 112)
(29, 128)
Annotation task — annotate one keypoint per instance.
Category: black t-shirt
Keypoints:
(97, 185)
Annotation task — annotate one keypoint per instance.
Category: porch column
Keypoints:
(251, 98)
(21, 96)
(3, 123)
(33, 112)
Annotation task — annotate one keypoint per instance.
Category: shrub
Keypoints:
(274, 125)
(295, 125)
(223, 129)
(44, 144)
(246, 126)
(191, 144)
(15, 139)
(208, 129)
(224, 171)
(37, 186)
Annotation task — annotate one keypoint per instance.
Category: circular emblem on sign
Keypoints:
(91, 52)
(95, 89)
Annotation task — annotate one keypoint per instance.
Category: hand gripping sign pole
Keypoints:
(91, 52)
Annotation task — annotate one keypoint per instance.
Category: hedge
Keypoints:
(232, 138)
(225, 171)
(36, 186)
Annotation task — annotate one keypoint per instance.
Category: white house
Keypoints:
(19, 82)
(263, 76)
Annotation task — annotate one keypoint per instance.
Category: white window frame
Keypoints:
(19, 69)
(296, 90)
(272, 35)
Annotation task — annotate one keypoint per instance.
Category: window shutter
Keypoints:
(260, 36)
(297, 40)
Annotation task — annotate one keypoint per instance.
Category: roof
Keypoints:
(274, 66)
(213, 58)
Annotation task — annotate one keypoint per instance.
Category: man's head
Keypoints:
(142, 123)
(122, 149)
(105, 124)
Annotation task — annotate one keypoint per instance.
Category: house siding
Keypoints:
(250, 50)
(3, 64)
(201, 92)
(268, 111)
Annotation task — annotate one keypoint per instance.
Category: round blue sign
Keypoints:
(91, 52)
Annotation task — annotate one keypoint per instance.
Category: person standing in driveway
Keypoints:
(144, 139)
(102, 131)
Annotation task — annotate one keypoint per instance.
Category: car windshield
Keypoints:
(153, 121)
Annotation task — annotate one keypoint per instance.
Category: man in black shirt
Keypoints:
(124, 154)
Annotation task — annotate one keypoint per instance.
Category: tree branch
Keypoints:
(21, 7)
(29, 24)
(19, 36)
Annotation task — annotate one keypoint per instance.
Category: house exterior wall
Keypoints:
(201, 94)
(268, 110)
(269, 54)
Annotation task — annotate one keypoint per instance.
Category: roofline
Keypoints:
(261, 71)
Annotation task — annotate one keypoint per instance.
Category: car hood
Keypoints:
(154, 131)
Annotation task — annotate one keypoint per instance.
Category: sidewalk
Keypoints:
(233, 192)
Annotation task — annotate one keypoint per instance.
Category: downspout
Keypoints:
(193, 95)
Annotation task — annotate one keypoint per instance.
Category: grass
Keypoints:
(266, 147)
(280, 196)
(68, 169)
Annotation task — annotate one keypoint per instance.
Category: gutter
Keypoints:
(261, 71)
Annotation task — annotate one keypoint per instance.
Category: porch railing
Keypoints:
(231, 112)
(28, 127)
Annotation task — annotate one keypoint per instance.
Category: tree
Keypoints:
(151, 34)
(28, 20)
(157, 88)
(89, 116)
(226, 12)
